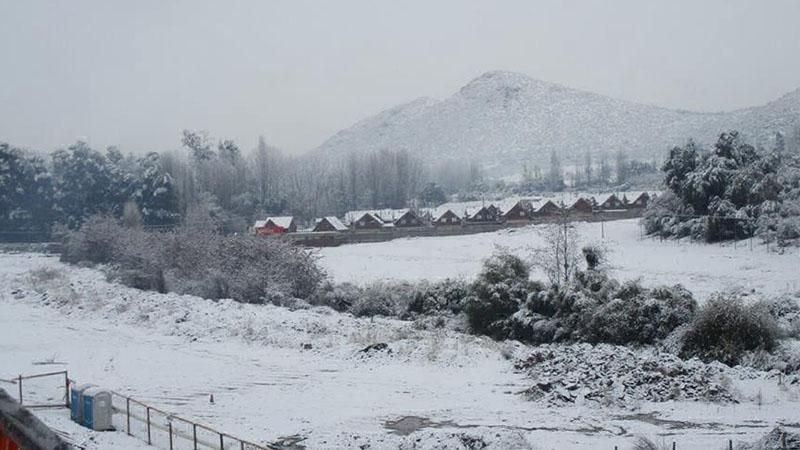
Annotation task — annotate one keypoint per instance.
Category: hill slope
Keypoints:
(502, 119)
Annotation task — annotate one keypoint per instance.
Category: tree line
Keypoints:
(156, 190)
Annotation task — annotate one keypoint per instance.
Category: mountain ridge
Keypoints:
(504, 119)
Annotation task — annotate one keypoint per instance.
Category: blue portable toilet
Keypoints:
(76, 402)
(97, 409)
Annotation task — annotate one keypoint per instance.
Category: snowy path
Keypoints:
(703, 268)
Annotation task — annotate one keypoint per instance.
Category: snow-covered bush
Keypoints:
(640, 316)
(725, 328)
(404, 300)
(383, 299)
(592, 308)
(339, 296)
(198, 262)
(447, 296)
(498, 293)
(95, 242)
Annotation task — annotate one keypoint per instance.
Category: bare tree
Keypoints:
(558, 257)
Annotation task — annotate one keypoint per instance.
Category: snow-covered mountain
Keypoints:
(503, 119)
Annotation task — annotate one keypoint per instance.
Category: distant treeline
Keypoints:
(158, 189)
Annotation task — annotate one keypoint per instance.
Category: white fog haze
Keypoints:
(134, 74)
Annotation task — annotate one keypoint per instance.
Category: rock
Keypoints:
(379, 347)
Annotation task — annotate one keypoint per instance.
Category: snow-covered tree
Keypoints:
(26, 193)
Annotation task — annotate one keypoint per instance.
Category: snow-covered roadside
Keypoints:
(174, 351)
(702, 268)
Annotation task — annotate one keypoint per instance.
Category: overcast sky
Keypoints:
(135, 73)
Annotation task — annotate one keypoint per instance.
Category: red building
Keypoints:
(275, 225)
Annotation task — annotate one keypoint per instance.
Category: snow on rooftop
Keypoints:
(281, 221)
(383, 215)
(335, 223)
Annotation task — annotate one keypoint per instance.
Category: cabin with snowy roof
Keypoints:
(581, 206)
(640, 202)
(329, 223)
(522, 210)
(447, 217)
(547, 209)
(275, 225)
(408, 219)
(610, 202)
(368, 221)
(485, 214)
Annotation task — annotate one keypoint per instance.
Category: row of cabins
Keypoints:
(507, 211)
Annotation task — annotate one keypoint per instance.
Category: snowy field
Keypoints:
(702, 268)
(442, 386)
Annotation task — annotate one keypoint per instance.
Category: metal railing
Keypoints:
(166, 430)
(37, 396)
(153, 425)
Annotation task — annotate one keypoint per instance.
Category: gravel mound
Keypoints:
(608, 374)
(777, 439)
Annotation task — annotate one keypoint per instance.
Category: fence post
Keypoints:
(19, 380)
(730, 444)
(602, 227)
(169, 424)
(221, 442)
(148, 425)
(128, 413)
(673, 445)
(194, 435)
(66, 388)
(241, 445)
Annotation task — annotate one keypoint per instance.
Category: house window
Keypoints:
(522, 213)
(361, 223)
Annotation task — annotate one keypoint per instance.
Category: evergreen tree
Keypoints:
(622, 167)
(157, 197)
(83, 184)
(555, 179)
(588, 169)
(26, 193)
(605, 170)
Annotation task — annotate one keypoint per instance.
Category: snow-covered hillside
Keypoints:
(503, 119)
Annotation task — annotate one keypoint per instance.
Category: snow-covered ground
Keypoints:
(174, 351)
(702, 268)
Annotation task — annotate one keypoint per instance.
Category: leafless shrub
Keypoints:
(643, 443)
(559, 256)
(195, 260)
